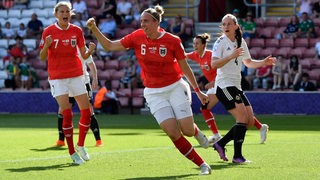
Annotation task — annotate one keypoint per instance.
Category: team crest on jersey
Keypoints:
(73, 42)
(162, 51)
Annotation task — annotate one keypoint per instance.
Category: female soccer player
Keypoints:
(94, 126)
(163, 63)
(202, 55)
(59, 45)
(229, 52)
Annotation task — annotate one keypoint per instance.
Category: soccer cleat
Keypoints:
(205, 169)
(83, 153)
(221, 151)
(99, 143)
(263, 133)
(202, 139)
(76, 158)
(60, 143)
(215, 138)
(240, 160)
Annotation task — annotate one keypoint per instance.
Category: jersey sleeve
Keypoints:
(217, 48)
(179, 51)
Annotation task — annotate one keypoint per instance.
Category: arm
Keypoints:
(219, 62)
(86, 53)
(184, 66)
(44, 50)
(106, 43)
(252, 63)
(93, 71)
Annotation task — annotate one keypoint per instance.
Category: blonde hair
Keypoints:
(63, 3)
(155, 12)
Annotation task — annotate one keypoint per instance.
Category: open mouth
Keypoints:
(65, 19)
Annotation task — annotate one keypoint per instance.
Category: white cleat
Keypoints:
(76, 158)
(263, 133)
(202, 139)
(83, 152)
(215, 138)
(205, 169)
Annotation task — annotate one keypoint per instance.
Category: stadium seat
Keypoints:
(266, 52)
(305, 64)
(14, 13)
(301, 42)
(4, 43)
(272, 43)
(117, 75)
(3, 52)
(137, 92)
(30, 43)
(125, 92)
(271, 22)
(284, 21)
(103, 75)
(99, 65)
(265, 32)
(117, 54)
(309, 53)
(283, 51)
(15, 22)
(248, 41)
(111, 64)
(42, 13)
(296, 51)
(315, 64)
(4, 14)
(38, 4)
(259, 22)
(49, 4)
(138, 102)
(42, 74)
(26, 13)
(254, 52)
(257, 42)
(124, 101)
(115, 84)
(314, 74)
(313, 41)
(287, 42)
(92, 4)
(40, 65)
(44, 84)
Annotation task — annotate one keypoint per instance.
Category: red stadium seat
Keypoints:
(287, 42)
(301, 42)
(265, 32)
(138, 102)
(313, 41)
(272, 43)
(137, 92)
(112, 64)
(305, 63)
(271, 22)
(296, 51)
(309, 53)
(283, 51)
(99, 64)
(103, 75)
(257, 42)
(124, 101)
(284, 21)
(117, 75)
(115, 84)
(259, 22)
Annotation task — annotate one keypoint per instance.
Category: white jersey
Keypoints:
(229, 74)
(84, 67)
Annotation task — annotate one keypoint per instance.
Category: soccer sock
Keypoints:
(227, 138)
(257, 123)
(185, 148)
(67, 127)
(94, 126)
(239, 134)
(60, 120)
(209, 118)
(84, 125)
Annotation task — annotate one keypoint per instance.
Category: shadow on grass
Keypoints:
(162, 177)
(52, 148)
(42, 168)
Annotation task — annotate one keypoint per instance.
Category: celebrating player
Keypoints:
(163, 63)
(59, 45)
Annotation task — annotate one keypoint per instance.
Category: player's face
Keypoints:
(229, 26)
(197, 45)
(63, 15)
(148, 24)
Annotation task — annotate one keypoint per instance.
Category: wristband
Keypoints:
(196, 89)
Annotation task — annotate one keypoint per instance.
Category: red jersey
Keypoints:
(63, 60)
(157, 57)
(205, 63)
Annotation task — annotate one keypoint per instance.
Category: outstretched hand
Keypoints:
(270, 60)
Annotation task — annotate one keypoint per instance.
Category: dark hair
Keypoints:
(205, 38)
(294, 65)
(238, 35)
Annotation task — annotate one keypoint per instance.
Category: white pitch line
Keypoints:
(96, 153)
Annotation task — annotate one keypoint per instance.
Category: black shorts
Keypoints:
(89, 90)
(230, 95)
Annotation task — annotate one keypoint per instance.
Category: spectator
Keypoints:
(305, 6)
(12, 77)
(35, 27)
(294, 71)
(137, 8)
(306, 27)
(108, 26)
(179, 28)
(129, 75)
(278, 71)
(78, 21)
(317, 47)
(80, 6)
(7, 31)
(165, 25)
(102, 54)
(108, 7)
(18, 51)
(106, 100)
(263, 77)
(124, 8)
(22, 31)
(291, 28)
(249, 27)
(25, 76)
(305, 84)
(316, 9)
(7, 4)
(236, 13)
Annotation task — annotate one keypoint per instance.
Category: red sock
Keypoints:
(209, 118)
(257, 123)
(67, 127)
(185, 148)
(84, 125)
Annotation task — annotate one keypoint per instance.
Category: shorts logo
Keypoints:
(73, 42)
(163, 51)
(238, 98)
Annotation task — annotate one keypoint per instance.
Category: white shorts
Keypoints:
(24, 78)
(176, 96)
(71, 86)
